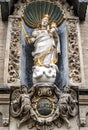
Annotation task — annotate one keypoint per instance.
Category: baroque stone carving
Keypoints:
(46, 50)
(14, 54)
(20, 6)
(45, 105)
(73, 51)
(74, 62)
(4, 108)
(5, 122)
(83, 111)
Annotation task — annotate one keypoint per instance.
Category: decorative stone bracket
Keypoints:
(4, 107)
(83, 107)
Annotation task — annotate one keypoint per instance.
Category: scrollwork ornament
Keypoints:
(46, 106)
(14, 54)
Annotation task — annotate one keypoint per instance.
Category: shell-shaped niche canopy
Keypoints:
(35, 11)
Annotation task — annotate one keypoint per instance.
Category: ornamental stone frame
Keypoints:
(12, 70)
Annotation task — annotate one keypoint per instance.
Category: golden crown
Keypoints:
(46, 16)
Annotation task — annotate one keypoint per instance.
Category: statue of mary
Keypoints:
(47, 47)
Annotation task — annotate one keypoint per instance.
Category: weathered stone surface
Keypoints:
(4, 110)
(82, 98)
(75, 121)
(74, 51)
(12, 54)
(84, 44)
(3, 32)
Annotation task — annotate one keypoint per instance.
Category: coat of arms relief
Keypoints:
(45, 106)
(45, 98)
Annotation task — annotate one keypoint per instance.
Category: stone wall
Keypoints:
(84, 43)
(3, 33)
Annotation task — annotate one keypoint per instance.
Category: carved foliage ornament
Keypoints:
(73, 51)
(14, 54)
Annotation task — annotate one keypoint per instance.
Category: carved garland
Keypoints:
(73, 51)
(14, 54)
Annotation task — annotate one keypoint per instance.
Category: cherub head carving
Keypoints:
(44, 91)
(53, 25)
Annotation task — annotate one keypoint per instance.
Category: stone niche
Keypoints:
(12, 68)
(12, 72)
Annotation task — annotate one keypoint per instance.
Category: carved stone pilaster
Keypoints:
(12, 56)
(73, 51)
